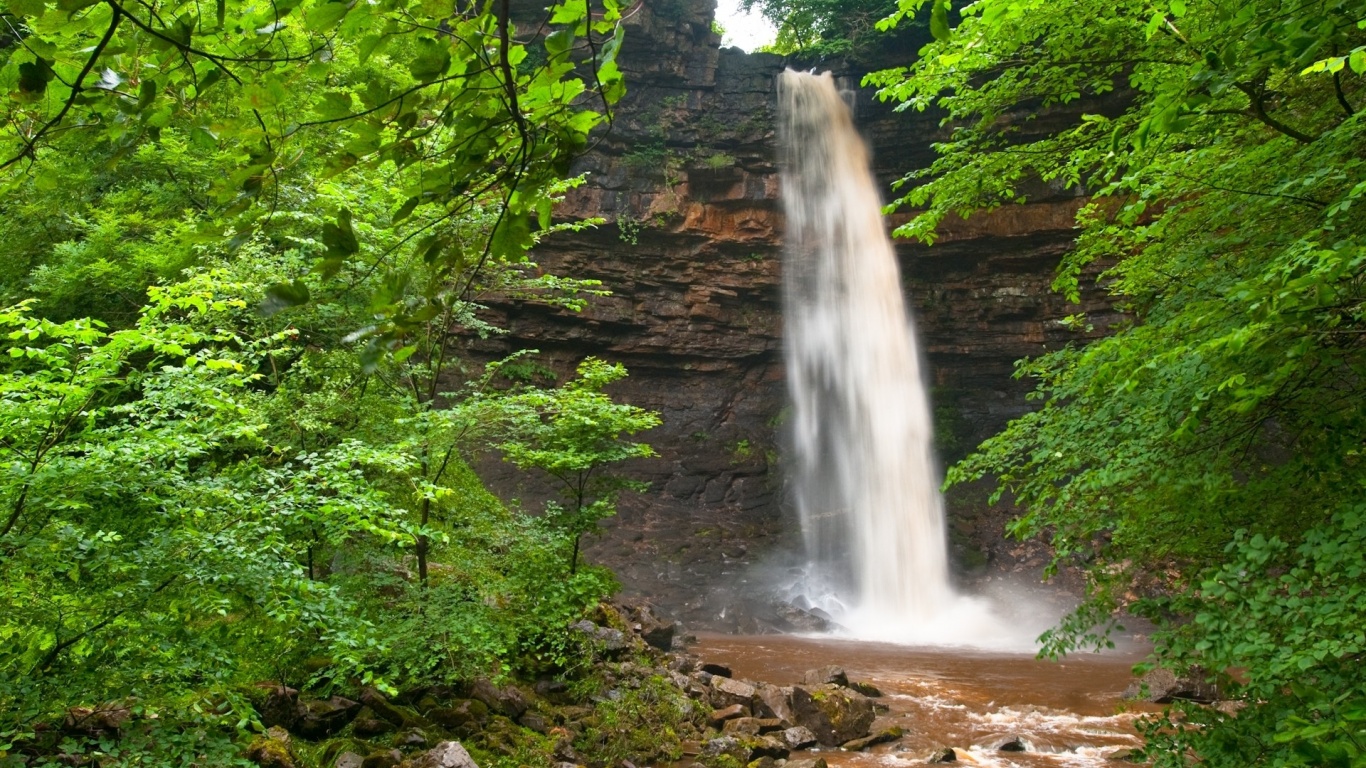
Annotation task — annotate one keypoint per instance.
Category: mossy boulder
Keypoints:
(833, 713)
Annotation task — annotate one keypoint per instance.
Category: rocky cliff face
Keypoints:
(687, 182)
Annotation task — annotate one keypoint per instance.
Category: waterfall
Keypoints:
(864, 470)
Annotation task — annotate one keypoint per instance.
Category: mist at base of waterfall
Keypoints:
(1006, 616)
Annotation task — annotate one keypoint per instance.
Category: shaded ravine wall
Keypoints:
(691, 252)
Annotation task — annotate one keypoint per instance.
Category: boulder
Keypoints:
(505, 701)
(943, 755)
(718, 717)
(279, 706)
(716, 669)
(611, 641)
(826, 675)
(1162, 686)
(747, 727)
(763, 762)
(320, 718)
(833, 713)
(798, 737)
(271, 749)
(881, 737)
(726, 745)
(102, 719)
(773, 702)
(770, 724)
(465, 714)
(348, 760)
(802, 620)
(1012, 743)
(413, 738)
(368, 724)
(767, 746)
(725, 692)
(387, 758)
(817, 763)
(867, 689)
(386, 711)
(447, 754)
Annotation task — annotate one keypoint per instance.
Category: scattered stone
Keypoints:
(1162, 686)
(611, 640)
(536, 722)
(726, 745)
(1011, 743)
(742, 726)
(726, 692)
(505, 701)
(464, 714)
(867, 689)
(881, 737)
(385, 759)
(101, 719)
(683, 663)
(280, 705)
(833, 713)
(716, 669)
(798, 737)
(767, 746)
(319, 719)
(368, 724)
(348, 760)
(413, 738)
(802, 620)
(770, 724)
(772, 701)
(691, 748)
(550, 688)
(944, 755)
(271, 750)
(718, 717)
(656, 632)
(386, 711)
(826, 675)
(447, 754)
(1126, 755)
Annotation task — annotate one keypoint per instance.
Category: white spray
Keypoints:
(865, 475)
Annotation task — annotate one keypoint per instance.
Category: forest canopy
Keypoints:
(249, 249)
(1205, 454)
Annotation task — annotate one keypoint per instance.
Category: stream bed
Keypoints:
(1068, 713)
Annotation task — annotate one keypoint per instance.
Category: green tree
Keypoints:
(1222, 151)
(574, 434)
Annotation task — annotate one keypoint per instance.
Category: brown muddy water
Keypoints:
(1068, 713)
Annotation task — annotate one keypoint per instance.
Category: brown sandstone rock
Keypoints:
(833, 713)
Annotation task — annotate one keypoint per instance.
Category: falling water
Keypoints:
(866, 480)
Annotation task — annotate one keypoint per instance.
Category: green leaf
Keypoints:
(939, 20)
(340, 236)
(282, 296)
(34, 76)
(432, 60)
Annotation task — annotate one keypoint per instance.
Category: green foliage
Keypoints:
(1293, 620)
(449, 106)
(145, 544)
(263, 472)
(574, 434)
(1222, 149)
